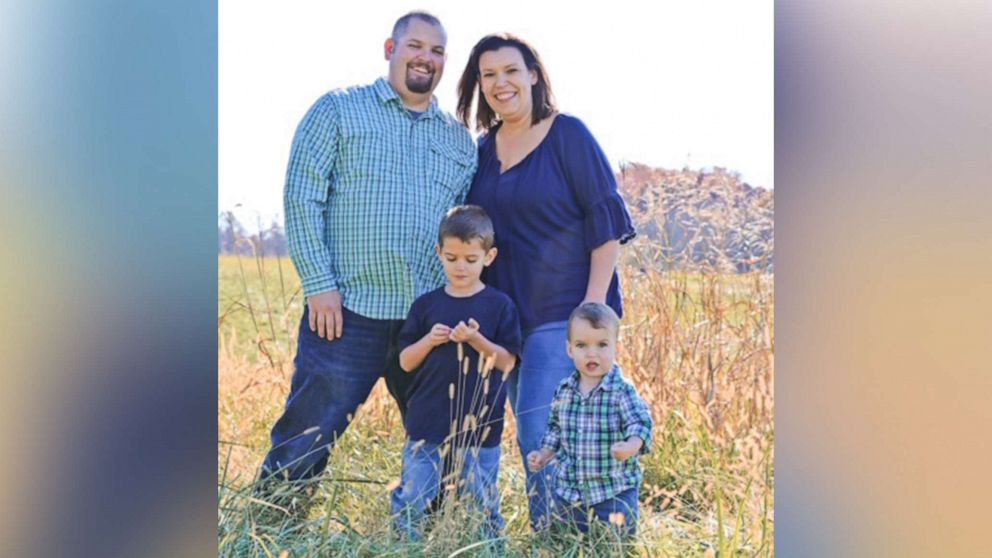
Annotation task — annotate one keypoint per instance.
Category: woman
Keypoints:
(558, 219)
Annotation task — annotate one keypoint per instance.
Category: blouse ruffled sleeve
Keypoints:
(608, 220)
(595, 187)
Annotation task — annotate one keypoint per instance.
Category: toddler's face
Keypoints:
(593, 350)
(463, 261)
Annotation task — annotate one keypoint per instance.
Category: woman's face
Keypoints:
(506, 83)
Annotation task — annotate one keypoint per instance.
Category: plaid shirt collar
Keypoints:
(609, 383)
(387, 94)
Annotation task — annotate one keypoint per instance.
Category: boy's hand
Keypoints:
(622, 451)
(463, 333)
(537, 459)
(439, 334)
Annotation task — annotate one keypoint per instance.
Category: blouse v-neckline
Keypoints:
(529, 153)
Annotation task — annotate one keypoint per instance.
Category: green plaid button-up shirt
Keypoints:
(366, 188)
(581, 429)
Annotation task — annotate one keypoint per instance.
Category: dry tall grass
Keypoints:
(699, 347)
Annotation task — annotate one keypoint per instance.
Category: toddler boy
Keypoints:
(597, 428)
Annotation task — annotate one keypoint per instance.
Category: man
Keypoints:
(372, 171)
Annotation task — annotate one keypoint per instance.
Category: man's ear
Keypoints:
(387, 48)
(437, 250)
(490, 256)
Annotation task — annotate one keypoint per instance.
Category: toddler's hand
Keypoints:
(463, 332)
(439, 334)
(537, 459)
(621, 451)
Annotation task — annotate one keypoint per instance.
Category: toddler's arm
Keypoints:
(621, 451)
(414, 355)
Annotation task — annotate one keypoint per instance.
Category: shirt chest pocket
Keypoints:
(449, 167)
(364, 157)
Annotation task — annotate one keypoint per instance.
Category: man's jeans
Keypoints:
(624, 505)
(330, 380)
(421, 480)
(530, 388)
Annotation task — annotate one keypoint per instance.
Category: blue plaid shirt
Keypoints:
(581, 429)
(366, 188)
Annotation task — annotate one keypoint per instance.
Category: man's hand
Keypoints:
(464, 333)
(325, 314)
(537, 459)
(439, 335)
(622, 451)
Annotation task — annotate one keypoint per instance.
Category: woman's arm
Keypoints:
(603, 262)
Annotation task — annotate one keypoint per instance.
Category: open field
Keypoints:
(698, 346)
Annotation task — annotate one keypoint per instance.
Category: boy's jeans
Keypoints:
(530, 389)
(330, 380)
(624, 503)
(421, 480)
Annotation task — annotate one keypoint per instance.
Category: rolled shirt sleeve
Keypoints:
(635, 417)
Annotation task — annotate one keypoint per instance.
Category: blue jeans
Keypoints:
(330, 380)
(625, 503)
(421, 480)
(530, 388)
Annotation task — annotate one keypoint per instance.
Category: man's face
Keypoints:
(416, 59)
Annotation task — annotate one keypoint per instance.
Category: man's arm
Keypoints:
(305, 204)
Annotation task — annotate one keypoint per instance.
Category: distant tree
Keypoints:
(230, 234)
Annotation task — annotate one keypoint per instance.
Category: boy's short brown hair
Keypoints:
(466, 223)
(598, 315)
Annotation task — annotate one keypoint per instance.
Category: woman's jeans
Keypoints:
(530, 387)
(421, 480)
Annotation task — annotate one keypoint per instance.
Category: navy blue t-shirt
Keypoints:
(430, 409)
(549, 212)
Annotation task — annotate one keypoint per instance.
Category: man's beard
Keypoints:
(419, 83)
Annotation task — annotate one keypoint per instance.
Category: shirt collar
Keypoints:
(386, 93)
(609, 382)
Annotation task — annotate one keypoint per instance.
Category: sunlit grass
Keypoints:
(699, 347)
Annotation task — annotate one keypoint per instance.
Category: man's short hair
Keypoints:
(598, 315)
(467, 223)
(404, 21)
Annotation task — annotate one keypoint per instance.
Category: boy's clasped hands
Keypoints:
(461, 333)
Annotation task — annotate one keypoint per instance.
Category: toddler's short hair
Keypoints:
(466, 223)
(598, 315)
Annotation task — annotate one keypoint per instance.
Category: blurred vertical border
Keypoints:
(108, 163)
(883, 272)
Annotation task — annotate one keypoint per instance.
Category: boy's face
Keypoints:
(463, 261)
(592, 350)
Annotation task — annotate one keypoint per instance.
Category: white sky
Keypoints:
(666, 83)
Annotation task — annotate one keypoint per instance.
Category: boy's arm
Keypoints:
(413, 356)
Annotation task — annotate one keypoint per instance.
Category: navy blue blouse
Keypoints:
(549, 212)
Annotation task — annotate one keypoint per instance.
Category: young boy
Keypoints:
(597, 428)
(460, 341)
